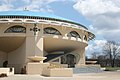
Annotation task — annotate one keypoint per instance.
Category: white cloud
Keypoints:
(96, 46)
(104, 15)
(96, 7)
(5, 7)
(37, 5)
(100, 42)
(32, 5)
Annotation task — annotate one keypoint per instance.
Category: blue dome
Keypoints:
(30, 13)
(36, 14)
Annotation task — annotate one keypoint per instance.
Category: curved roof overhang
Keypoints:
(37, 15)
(42, 16)
(91, 36)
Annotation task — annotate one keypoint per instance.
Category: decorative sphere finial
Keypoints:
(25, 9)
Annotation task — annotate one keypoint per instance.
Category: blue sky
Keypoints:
(102, 17)
(66, 10)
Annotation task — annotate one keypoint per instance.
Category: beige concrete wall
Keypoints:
(7, 71)
(30, 47)
(82, 58)
(58, 72)
(17, 57)
(39, 46)
(36, 68)
(3, 57)
(34, 44)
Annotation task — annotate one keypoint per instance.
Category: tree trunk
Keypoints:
(113, 63)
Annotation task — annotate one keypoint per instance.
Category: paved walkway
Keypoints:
(35, 77)
(82, 76)
(99, 76)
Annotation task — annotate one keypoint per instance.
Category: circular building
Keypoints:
(26, 33)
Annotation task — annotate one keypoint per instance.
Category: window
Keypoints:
(85, 37)
(16, 29)
(50, 30)
(74, 34)
(56, 60)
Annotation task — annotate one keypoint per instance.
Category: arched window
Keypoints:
(85, 37)
(16, 29)
(50, 30)
(74, 34)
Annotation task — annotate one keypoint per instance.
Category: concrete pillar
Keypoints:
(81, 62)
(3, 57)
(30, 46)
(17, 58)
(39, 46)
(34, 46)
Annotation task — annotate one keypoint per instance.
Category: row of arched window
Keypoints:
(16, 29)
(48, 30)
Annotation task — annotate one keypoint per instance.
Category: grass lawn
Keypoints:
(112, 68)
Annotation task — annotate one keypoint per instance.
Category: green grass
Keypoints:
(112, 68)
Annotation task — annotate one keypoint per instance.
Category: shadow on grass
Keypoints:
(112, 68)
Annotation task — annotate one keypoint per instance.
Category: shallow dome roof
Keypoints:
(30, 13)
(36, 14)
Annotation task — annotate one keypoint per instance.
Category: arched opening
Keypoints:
(50, 30)
(16, 29)
(71, 60)
(13, 50)
(73, 34)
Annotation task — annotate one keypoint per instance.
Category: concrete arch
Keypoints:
(74, 34)
(53, 31)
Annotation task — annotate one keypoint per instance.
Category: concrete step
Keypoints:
(87, 70)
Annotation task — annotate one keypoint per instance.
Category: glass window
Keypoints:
(74, 34)
(85, 37)
(16, 29)
(50, 30)
(57, 60)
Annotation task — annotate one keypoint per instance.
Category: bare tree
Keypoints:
(111, 50)
(102, 60)
(95, 55)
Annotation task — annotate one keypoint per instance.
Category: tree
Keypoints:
(102, 60)
(111, 50)
(95, 55)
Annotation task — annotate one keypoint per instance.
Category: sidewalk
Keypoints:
(82, 76)
(98, 76)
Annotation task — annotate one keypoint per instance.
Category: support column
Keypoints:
(34, 43)
(34, 47)
(30, 47)
(81, 62)
(39, 46)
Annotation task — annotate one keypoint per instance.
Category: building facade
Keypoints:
(25, 33)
